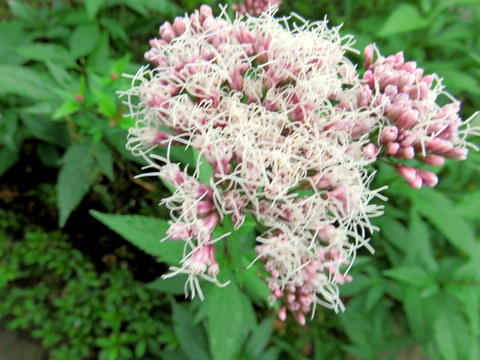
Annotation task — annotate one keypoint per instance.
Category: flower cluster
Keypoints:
(413, 124)
(256, 7)
(286, 123)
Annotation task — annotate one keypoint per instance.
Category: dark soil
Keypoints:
(28, 189)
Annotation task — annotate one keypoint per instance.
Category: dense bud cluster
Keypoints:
(281, 115)
(413, 124)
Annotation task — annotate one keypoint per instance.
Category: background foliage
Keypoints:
(62, 137)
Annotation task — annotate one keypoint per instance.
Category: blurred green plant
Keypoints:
(53, 291)
(61, 66)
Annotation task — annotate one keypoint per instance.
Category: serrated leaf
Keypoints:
(8, 158)
(411, 275)
(260, 338)
(145, 233)
(104, 157)
(23, 81)
(174, 285)
(191, 337)
(23, 11)
(417, 317)
(225, 321)
(114, 28)
(83, 39)
(404, 18)
(98, 58)
(68, 107)
(74, 180)
(443, 335)
(417, 244)
(47, 130)
(93, 7)
(46, 53)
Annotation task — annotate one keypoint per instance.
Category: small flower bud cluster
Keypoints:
(256, 7)
(415, 126)
(285, 122)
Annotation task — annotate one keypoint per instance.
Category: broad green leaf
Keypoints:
(23, 11)
(417, 244)
(443, 335)
(8, 158)
(74, 180)
(115, 29)
(225, 321)
(191, 337)
(145, 233)
(104, 157)
(49, 154)
(234, 249)
(441, 212)
(93, 7)
(83, 39)
(46, 53)
(204, 168)
(174, 285)
(47, 130)
(98, 58)
(404, 18)
(260, 337)
(417, 317)
(23, 81)
(68, 107)
(12, 37)
(411, 275)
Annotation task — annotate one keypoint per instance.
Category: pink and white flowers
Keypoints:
(290, 130)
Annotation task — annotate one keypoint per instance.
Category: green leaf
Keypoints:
(417, 244)
(145, 233)
(83, 39)
(104, 158)
(47, 130)
(23, 11)
(23, 81)
(93, 7)
(68, 107)
(260, 338)
(174, 285)
(411, 275)
(8, 158)
(98, 58)
(191, 337)
(443, 335)
(225, 321)
(416, 314)
(12, 37)
(441, 212)
(74, 180)
(46, 53)
(404, 18)
(115, 29)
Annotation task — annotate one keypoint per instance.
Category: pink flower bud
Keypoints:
(392, 148)
(178, 231)
(282, 314)
(406, 172)
(370, 151)
(406, 153)
(416, 183)
(434, 160)
(388, 134)
(428, 178)
(368, 53)
(300, 318)
(457, 154)
(204, 207)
